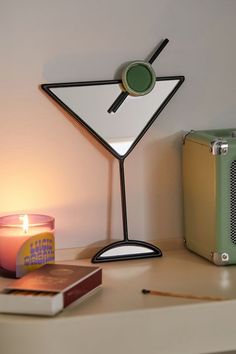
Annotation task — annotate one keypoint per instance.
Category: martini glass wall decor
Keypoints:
(91, 104)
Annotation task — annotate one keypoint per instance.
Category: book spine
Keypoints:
(82, 288)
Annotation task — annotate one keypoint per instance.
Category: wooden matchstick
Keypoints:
(184, 296)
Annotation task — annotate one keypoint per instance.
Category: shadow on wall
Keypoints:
(66, 67)
(163, 183)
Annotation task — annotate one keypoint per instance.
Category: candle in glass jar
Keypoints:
(15, 230)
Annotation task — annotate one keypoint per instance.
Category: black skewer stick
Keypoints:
(119, 100)
(122, 96)
(158, 51)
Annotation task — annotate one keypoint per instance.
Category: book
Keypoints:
(49, 289)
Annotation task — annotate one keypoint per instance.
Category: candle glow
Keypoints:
(16, 231)
(25, 223)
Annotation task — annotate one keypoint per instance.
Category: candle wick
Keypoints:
(25, 225)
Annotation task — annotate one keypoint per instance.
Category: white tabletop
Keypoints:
(120, 319)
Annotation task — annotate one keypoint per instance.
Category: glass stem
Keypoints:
(123, 200)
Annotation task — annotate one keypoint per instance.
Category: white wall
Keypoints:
(49, 165)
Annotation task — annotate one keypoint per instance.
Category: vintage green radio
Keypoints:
(209, 183)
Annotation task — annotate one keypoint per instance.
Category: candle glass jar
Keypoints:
(24, 241)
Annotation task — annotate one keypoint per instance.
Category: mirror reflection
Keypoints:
(121, 129)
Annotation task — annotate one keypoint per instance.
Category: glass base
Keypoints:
(7, 273)
(124, 250)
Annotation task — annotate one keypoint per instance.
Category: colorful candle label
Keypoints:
(35, 252)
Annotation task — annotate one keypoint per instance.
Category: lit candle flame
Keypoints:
(25, 223)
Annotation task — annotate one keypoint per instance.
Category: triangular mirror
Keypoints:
(118, 132)
(89, 102)
(99, 106)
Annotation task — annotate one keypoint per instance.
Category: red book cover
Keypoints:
(62, 283)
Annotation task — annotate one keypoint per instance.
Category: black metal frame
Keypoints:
(154, 251)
